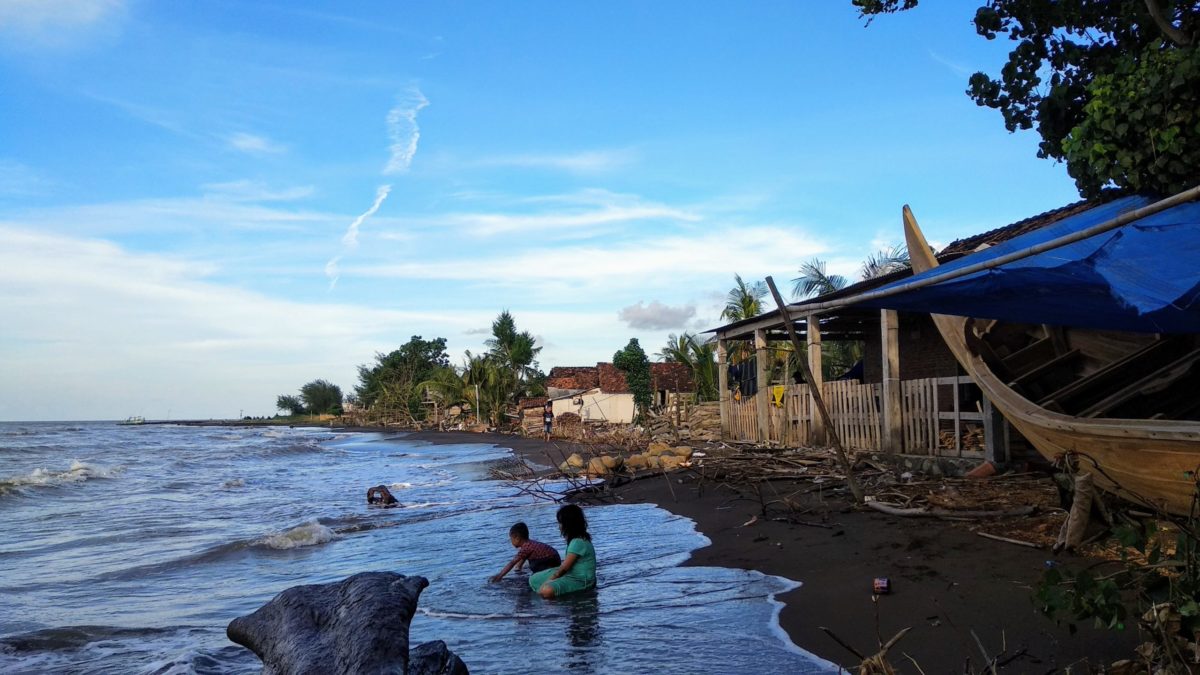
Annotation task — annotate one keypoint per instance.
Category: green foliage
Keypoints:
(700, 356)
(814, 280)
(1109, 84)
(633, 362)
(744, 300)
(290, 404)
(514, 351)
(1161, 575)
(392, 380)
(1141, 124)
(321, 397)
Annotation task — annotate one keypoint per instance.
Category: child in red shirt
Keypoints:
(539, 556)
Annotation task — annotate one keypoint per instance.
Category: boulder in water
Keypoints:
(357, 625)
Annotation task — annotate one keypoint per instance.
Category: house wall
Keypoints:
(598, 406)
(923, 353)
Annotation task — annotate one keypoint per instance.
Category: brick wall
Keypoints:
(923, 353)
(573, 377)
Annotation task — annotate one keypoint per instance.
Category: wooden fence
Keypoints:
(927, 406)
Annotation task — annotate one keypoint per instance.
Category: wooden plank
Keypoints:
(891, 403)
(957, 423)
(723, 388)
(762, 397)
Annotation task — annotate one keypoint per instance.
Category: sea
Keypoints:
(128, 549)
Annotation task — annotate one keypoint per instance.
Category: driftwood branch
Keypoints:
(893, 510)
(1006, 540)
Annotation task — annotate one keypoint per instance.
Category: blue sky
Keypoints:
(206, 204)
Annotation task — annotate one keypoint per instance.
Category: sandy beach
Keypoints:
(946, 583)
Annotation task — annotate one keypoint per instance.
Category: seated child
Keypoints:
(578, 571)
(538, 555)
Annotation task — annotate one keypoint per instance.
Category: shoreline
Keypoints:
(947, 583)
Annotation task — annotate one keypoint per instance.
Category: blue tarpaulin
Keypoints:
(1141, 277)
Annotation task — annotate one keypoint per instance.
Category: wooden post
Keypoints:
(723, 386)
(893, 421)
(818, 399)
(762, 398)
(818, 377)
(995, 434)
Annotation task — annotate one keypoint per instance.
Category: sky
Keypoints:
(204, 205)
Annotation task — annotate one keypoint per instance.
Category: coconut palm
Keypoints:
(744, 300)
(700, 356)
(886, 261)
(814, 280)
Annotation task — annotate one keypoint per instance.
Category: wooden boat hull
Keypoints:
(1152, 462)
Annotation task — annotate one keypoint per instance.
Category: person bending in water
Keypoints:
(539, 556)
(382, 496)
(578, 571)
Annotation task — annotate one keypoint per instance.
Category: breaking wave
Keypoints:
(311, 533)
(78, 472)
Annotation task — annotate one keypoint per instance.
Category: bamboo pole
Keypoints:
(830, 431)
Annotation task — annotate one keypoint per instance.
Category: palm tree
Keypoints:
(700, 356)
(678, 349)
(744, 300)
(814, 280)
(513, 350)
(886, 261)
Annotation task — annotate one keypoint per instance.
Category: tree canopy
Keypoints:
(290, 404)
(392, 380)
(1112, 86)
(633, 362)
(321, 397)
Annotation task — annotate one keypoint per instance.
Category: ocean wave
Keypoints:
(311, 533)
(78, 472)
(73, 637)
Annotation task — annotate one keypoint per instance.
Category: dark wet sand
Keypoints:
(946, 581)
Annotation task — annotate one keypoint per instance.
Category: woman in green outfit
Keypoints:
(578, 570)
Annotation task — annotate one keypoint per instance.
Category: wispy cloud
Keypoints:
(350, 239)
(55, 23)
(19, 180)
(566, 225)
(954, 67)
(255, 191)
(254, 144)
(656, 315)
(403, 130)
(597, 161)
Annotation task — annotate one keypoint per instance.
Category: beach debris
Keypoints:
(1009, 540)
(1071, 535)
(984, 470)
(748, 523)
(356, 625)
(881, 586)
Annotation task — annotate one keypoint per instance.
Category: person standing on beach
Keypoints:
(578, 571)
(547, 419)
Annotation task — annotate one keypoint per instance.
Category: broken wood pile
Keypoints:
(696, 423)
(972, 439)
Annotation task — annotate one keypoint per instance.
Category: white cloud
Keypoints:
(656, 315)
(254, 144)
(95, 331)
(403, 130)
(700, 259)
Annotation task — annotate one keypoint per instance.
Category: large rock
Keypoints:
(357, 625)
